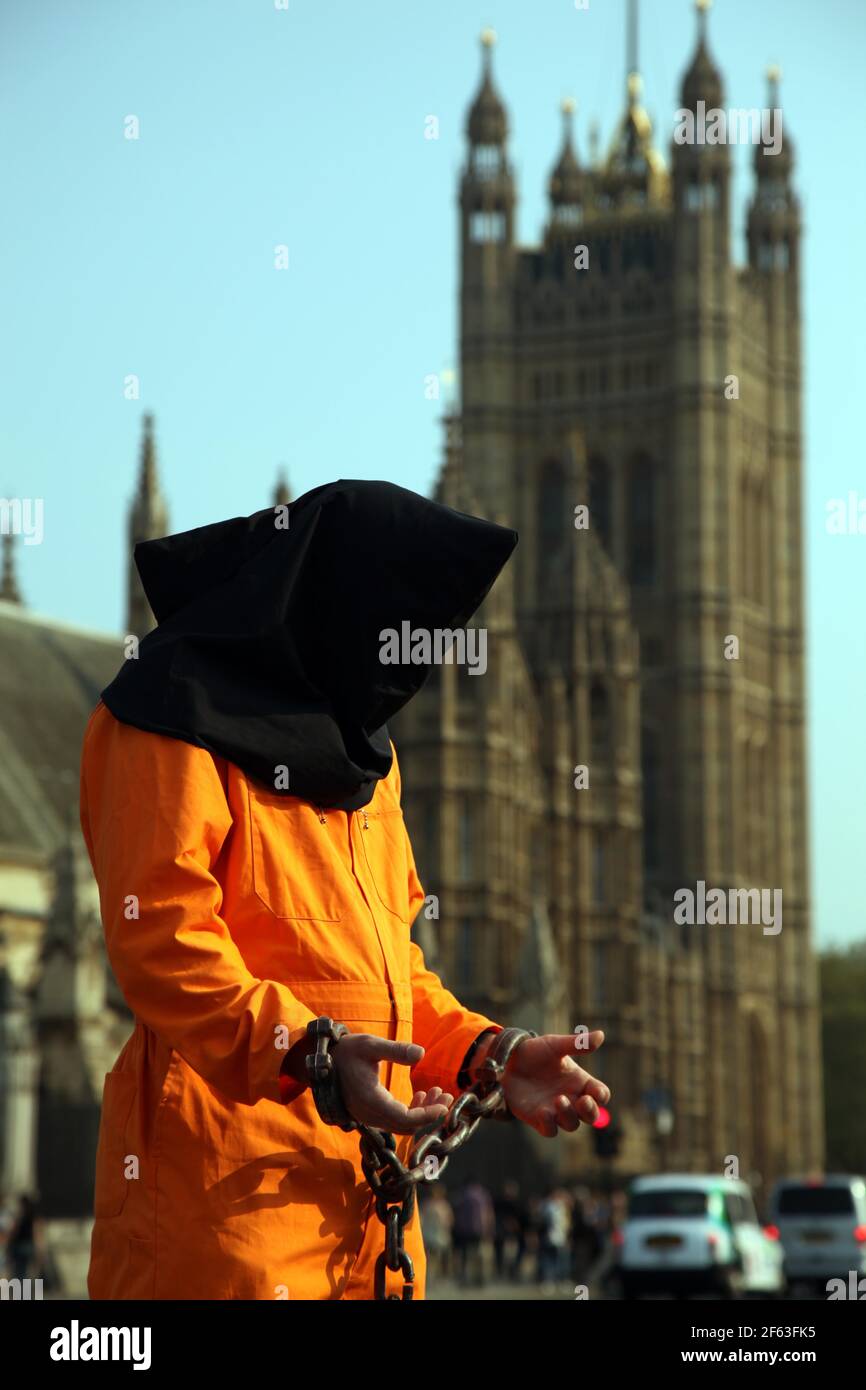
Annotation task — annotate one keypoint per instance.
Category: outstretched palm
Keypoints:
(546, 1088)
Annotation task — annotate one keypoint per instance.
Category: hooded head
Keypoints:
(267, 649)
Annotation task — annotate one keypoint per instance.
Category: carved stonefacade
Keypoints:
(650, 379)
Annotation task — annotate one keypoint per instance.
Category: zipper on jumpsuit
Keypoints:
(371, 1206)
(365, 824)
(389, 1066)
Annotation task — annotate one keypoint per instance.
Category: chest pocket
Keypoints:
(384, 843)
(294, 873)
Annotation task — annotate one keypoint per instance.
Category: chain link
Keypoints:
(394, 1184)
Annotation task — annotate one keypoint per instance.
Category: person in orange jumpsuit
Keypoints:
(240, 802)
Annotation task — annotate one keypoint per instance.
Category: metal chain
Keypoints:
(394, 1185)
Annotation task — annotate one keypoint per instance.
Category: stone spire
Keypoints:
(566, 180)
(148, 519)
(9, 589)
(282, 491)
(487, 123)
(634, 172)
(702, 80)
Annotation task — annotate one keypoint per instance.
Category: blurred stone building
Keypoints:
(657, 383)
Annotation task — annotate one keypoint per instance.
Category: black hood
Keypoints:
(268, 639)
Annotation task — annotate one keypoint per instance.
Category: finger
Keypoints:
(434, 1096)
(597, 1090)
(385, 1050)
(545, 1123)
(378, 1107)
(586, 1109)
(566, 1115)
(416, 1118)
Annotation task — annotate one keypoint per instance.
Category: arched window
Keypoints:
(599, 885)
(465, 842)
(465, 954)
(599, 721)
(650, 754)
(554, 518)
(754, 557)
(600, 500)
(641, 520)
(487, 161)
(487, 225)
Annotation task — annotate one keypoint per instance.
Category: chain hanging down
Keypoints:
(392, 1182)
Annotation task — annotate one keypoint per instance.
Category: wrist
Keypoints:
(295, 1062)
(325, 1033)
(468, 1072)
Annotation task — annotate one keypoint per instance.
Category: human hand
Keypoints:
(545, 1088)
(357, 1059)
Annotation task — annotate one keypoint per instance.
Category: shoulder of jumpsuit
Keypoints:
(152, 745)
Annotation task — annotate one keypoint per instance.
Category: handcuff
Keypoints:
(496, 1059)
(322, 1074)
(325, 1085)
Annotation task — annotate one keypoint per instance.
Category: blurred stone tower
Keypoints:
(148, 519)
(627, 364)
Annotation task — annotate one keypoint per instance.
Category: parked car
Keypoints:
(686, 1233)
(822, 1227)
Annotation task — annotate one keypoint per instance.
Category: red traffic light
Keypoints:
(603, 1118)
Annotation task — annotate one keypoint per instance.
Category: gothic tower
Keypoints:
(626, 371)
(148, 519)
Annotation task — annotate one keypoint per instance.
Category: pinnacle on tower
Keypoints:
(776, 166)
(282, 491)
(702, 80)
(634, 169)
(566, 180)
(148, 519)
(487, 191)
(487, 123)
(9, 589)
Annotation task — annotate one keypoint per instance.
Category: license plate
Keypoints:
(663, 1242)
(815, 1237)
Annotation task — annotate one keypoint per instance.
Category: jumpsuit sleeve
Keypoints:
(155, 817)
(444, 1028)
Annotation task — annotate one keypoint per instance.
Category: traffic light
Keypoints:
(606, 1134)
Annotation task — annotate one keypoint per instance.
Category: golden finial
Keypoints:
(703, 5)
(568, 106)
(488, 37)
(774, 73)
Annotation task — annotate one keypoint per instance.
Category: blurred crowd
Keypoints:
(475, 1237)
(21, 1242)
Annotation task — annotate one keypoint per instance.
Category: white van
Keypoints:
(822, 1227)
(696, 1233)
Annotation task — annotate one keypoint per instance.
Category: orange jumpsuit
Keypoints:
(233, 915)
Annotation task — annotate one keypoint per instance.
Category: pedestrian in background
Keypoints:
(473, 1226)
(554, 1238)
(509, 1240)
(437, 1225)
(25, 1238)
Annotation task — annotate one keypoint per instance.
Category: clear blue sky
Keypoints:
(306, 127)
